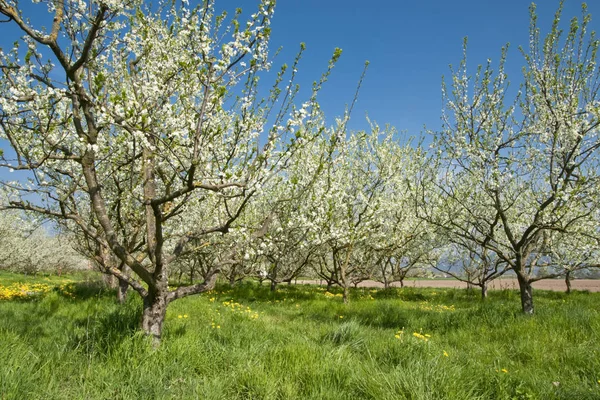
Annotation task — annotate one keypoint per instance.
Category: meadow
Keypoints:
(67, 338)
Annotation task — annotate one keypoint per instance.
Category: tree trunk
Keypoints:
(401, 283)
(273, 285)
(122, 291)
(386, 284)
(109, 280)
(526, 294)
(121, 285)
(153, 316)
(343, 268)
(344, 284)
(484, 290)
(346, 292)
(568, 281)
(329, 285)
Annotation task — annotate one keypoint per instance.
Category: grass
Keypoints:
(299, 343)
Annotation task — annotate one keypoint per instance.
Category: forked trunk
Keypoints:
(526, 294)
(155, 309)
(158, 298)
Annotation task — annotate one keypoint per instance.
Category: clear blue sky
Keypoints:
(409, 44)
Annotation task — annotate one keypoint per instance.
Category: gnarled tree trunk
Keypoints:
(153, 316)
(158, 297)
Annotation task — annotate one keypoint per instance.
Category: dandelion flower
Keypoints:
(504, 370)
(445, 353)
(179, 316)
(185, 315)
(424, 338)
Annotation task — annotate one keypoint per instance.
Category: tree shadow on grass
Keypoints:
(253, 292)
(84, 290)
(34, 317)
(106, 331)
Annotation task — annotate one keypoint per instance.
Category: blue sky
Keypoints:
(409, 45)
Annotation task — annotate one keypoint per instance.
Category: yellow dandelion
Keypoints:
(419, 336)
(341, 316)
(185, 315)
(179, 316)
(504, 370)
(445, 353)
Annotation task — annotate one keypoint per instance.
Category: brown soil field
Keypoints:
(592, 285)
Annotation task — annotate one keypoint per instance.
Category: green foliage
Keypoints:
(250, 343)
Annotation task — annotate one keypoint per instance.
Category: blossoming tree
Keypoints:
(134, 115)
(512, 172)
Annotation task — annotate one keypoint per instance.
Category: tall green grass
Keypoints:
(298, 343)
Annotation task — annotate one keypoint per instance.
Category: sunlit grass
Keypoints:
(301, 342)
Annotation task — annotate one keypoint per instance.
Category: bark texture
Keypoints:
(526, 294)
